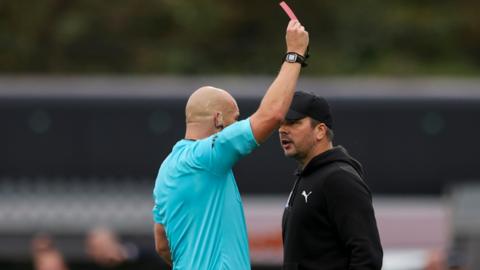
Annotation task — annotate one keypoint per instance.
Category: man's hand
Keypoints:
(296, 38)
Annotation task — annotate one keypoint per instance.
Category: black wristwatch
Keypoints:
(293, 57)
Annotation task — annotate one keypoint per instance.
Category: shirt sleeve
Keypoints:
(222, 150)
(157, 216)
(350, 207)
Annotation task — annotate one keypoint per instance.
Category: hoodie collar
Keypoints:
(336, 154)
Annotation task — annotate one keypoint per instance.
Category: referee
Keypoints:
(198, 213)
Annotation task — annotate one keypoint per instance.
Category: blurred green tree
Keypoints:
(238, 37)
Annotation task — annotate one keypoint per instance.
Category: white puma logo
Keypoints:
(304, 193)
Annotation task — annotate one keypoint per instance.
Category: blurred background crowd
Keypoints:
(92, 97)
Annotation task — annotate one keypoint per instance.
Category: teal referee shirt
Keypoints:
(198, 203)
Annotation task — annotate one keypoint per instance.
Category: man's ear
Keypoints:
(218, 120)
(320, 131)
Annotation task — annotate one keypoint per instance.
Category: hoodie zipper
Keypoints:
(288, 206)
(291, 198)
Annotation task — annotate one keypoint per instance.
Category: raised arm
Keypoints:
(279, 95)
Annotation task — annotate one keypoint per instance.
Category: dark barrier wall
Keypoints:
(406, 146)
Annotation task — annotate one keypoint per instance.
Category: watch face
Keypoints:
(291, 57)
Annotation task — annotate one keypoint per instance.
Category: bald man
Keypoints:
(198, 213)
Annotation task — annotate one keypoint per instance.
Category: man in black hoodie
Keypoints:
(328, 222)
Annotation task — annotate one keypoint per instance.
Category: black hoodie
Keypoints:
(329, 222)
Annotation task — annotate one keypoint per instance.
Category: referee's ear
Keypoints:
(218, 120)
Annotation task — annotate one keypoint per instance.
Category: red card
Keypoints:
(288, 10)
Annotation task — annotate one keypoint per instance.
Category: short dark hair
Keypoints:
(315, 122)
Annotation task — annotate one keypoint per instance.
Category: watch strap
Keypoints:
(298, 58)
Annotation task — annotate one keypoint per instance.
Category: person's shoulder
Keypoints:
(180, 146)
(343, 177)
(335, 170)
(182, 154)
(342, 169)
